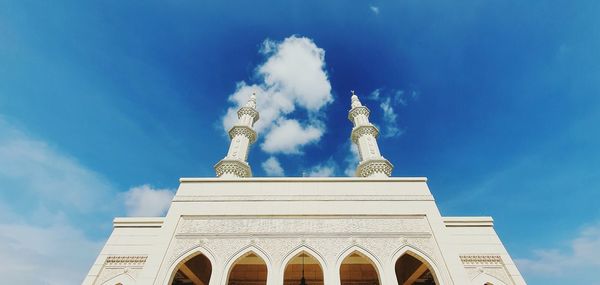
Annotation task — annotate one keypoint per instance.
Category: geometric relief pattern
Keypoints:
(481, 259)
(280, 226)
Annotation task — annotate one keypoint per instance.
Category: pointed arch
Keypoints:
(486, 279)
(187, 256)
(308, 249)
(364, 259)
(243, 255)
(426, 263)
(315, 266)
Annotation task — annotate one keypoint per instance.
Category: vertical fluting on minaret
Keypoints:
(242, 135)
(364, 135)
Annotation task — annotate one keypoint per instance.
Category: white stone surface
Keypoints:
(329, 218)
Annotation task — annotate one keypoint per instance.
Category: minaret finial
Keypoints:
(252, 101)
(354, 99)
(364, 135)
(242, 135)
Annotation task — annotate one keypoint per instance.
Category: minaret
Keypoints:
(364, 135)
(242, 135)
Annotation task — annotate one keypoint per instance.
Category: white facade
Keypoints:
(328, 217)
(371, 221)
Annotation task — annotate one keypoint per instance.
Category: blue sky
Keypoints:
(104, 105)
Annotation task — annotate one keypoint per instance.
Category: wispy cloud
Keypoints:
(42, 179)
(580, 255)
(50, 242)
(389, 102)
(292, 77)
(42, 245)
(272, 167)
(325, 169)
(55, 255)
(374, 9)
(31, 168)
(146, 201)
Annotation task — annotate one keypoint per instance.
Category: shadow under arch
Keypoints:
(187, 256)
(418, 262)
(486, 279)
(242, 256)
(314, 268)
(357, 252)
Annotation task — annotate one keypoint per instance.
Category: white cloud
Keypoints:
(272, 167)
(288, 136)
(295, 68)
(323, 170)
(580, 256)
(374, 9)
(351, 160)
(292, 77)
(145, 201)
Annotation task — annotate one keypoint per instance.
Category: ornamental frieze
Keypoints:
(301, 225)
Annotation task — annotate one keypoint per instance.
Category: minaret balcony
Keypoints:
(243, 130)
(250, 112)
(373, 167)
(361, 110)
(360, 131)
(236, 168)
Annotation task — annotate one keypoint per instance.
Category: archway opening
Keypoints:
(357, 269)
(412, 271)
(313, 273)
(249, 269)
(195, 271)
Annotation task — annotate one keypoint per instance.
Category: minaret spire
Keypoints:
(364, 135)
(242, 135)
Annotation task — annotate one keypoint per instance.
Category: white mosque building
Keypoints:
(371, 229)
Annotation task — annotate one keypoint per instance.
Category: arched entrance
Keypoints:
(194, 271)
(250, 269)
(303, 264)
(357, 269)
(412, 271)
